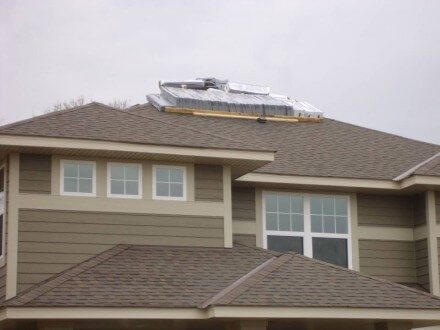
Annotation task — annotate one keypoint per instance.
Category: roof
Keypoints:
(96, 121)
(199, 277)
(328, 149)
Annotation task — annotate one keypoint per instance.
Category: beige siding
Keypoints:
(391, 260)
(2, 283)
(208, 183)
(438, 253)
(52, 241)
(421, 248)
(437, 205)
(249, 240)
(419, 209)
(382, 210)
(35, 173)
(243, 204)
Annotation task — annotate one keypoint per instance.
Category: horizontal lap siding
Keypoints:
(419, 210)
(2, 283)
(391, 260)
(249, 240)
(243, 204)
(35, 173)
(381, 210)
(421, 248)
(208, 183)
(52, 241)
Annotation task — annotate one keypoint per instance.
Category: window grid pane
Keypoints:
(284, 212)
(169, 182)
(333, 213)
(124, 180)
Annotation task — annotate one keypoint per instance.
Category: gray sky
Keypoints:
(371, 63)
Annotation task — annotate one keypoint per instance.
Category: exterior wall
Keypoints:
(422, 264)
(245, 239)
(383, 210)
(55, 231)
(419, 210)
(208, 183)
(52, 241)
(3, 264)
(243, 204)
(35, 173)
(391, 260)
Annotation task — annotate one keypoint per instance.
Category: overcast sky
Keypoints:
(371, 63)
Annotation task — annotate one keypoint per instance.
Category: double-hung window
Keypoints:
(169, 182)
(78, 178)
(317, 226)
(124, 180)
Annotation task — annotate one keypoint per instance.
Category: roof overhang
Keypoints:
(219, 312)
(241, 161)
(410, 185)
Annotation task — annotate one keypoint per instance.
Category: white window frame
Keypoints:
(308, 235)
(67, 193)
(183, 198)
(3, 211)
(109, 188)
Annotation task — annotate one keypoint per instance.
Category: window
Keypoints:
(317, 226)
(124, 180)
(78, 178)
(169, 182)
(2, 211)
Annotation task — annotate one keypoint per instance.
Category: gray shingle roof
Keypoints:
(97, 121)
(327, 149)
(158, 276)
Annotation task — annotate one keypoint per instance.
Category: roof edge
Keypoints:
(411, 171)
(53, 281)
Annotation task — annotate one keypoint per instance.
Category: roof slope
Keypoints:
(97, 121)
(159, 276)
(328, 149)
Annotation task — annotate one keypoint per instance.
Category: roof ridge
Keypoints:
(365, 275)
(244, 283)
(412, 170)
(177, 125)
(52, 282)
(221, 294)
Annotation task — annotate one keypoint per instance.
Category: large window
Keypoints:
(317, 226)
(78, 178)
(169, 182)
(124, 180)
(2, 211)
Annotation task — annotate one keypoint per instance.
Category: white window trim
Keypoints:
(109, 193)
(3, 211)
(183, 198)
(308, 235)
(64, 193)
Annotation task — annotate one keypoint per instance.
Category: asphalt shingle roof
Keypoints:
(328, 149)
(158, 276)
(96, 121)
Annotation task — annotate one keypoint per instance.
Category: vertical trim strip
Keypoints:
(432, 243)
(12, 249)
(227, 205)
(354, 232)
(259, 217)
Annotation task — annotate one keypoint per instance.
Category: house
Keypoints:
(216, 206)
